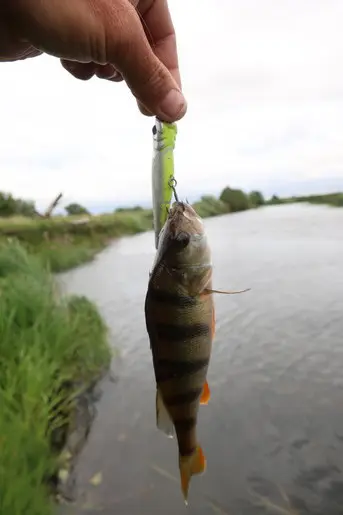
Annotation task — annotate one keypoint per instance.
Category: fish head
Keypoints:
(183, 242)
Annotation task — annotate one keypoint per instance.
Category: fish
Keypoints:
(164, 136)
(180, 321)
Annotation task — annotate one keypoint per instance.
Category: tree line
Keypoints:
(230, 200)
(12, 206)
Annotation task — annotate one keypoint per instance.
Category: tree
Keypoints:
(209, 205)
(256, 199)
(10, 206)
(236, 200)
(128, 209)
(76, 209)
(275, 200)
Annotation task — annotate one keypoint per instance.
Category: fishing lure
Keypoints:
(163, 181)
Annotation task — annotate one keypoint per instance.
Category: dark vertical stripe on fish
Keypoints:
(174, 369)
(173, 299)
(185, 425)
(188, 452)
(176, 333)
(183, 398)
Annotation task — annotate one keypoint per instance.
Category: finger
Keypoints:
(108, 32)
(148, 78)
(160, 31)
(86, 71)
(19, 54)
(82, 71)
(108, 71)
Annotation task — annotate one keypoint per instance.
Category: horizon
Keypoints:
(285, 191)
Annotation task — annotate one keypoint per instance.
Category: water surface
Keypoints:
(273, 430)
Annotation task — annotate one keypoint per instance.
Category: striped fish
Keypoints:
(180, 321)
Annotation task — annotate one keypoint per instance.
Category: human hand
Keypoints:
(131, 40)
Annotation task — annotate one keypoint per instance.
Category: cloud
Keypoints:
(264, 84)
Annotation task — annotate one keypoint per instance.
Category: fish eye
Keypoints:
(182, 239)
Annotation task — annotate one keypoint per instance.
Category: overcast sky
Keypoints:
(264, 84)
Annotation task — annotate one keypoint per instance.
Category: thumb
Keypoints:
(130, 52)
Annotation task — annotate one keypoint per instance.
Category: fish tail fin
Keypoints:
(190, 466)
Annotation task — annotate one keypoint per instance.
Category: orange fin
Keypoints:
(209, 290)
(189, 466)
(206, 394)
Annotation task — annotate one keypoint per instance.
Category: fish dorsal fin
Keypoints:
(163, 420)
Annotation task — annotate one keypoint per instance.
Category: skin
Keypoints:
(130, 40)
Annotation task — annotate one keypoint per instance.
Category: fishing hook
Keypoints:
(172, 184)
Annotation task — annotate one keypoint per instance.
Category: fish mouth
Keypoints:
(184, 223)
(182, 208)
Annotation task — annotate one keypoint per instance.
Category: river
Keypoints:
(273, 429)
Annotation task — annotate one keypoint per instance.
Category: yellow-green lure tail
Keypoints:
(162, 173)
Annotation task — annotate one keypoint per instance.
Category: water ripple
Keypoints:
(273, 430)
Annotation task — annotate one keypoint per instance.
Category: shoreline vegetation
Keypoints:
(55, 348)
(65, 241)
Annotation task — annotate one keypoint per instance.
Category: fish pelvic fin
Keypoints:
(190, 466)
(206, 394)
(209, 291)
(163, 421)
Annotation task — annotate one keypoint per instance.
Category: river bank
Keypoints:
(65, 242)
(54, 348)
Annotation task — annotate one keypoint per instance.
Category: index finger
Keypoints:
(160, 32)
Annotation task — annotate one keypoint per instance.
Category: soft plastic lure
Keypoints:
(163, 181)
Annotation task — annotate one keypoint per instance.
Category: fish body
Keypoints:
(162, 172)
(180, 321)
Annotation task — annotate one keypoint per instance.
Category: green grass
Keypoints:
(63, 244)
(48, 344)
(329, 199)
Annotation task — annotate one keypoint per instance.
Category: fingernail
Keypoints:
(173, 106)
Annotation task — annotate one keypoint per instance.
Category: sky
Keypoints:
(264, 85)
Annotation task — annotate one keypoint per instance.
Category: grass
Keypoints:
(62, 243)
(330, 199)
(48, 345)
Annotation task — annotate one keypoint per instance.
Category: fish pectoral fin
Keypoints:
(210, 290)
(163, 420)
(206, 394)
(190, 466)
